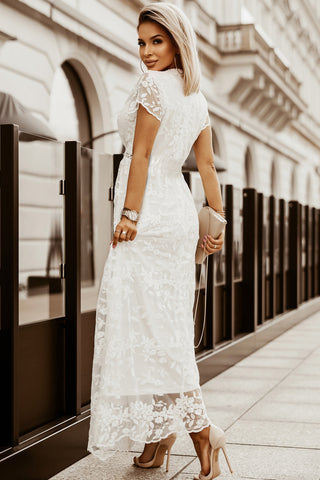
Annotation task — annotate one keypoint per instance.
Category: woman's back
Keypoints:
(182, 118)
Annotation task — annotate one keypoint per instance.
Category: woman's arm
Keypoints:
(146, 129)
(205, 163)
(145, 133)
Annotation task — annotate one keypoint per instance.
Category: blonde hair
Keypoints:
(180, 30)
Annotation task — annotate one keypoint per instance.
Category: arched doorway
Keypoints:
(70, 119)
(69, 110)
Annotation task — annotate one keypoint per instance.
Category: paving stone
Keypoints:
(305, 396)
(306, 369)
(279, 352)
(240, 385)
(120, 468)
(253, 372)
(274, 362)
(183, 446)
(301, 338)
(223, 399)
(189, 476)
(301, 381)
(223, 418)
(313, 359)
(290, 412)
(267, 463)
(282, 434)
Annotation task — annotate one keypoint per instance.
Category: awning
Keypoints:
(12, 111)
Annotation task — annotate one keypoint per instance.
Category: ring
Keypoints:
(214, 246)
(117, 231)
(123, 231)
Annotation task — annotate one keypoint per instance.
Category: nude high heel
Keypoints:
(164, 445)
(217, 440)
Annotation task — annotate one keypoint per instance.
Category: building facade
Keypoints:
(73, 63)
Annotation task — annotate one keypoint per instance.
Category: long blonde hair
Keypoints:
(180, 30)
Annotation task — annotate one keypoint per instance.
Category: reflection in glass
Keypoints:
(41, 236)
(87, 265)
(310, 223)
(237, 233)
(96, 222)
(277, 236)
(220, 257)
(317, 238)
(266, 232)
(286, 236)
(303, 236)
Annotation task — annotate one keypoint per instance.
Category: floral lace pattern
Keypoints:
(145, 419)
(148, 94)
(145, 380)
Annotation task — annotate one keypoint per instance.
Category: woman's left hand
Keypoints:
(213, 245)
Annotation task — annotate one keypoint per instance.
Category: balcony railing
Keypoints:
(247, 39)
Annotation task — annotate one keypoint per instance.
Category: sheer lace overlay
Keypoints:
(145, 380)
(148, 95)
(128, 419)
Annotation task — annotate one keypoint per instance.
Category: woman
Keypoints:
(145, 380)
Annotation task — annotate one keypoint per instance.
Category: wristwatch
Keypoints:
(131, 214)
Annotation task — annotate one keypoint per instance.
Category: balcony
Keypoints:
(265, 87)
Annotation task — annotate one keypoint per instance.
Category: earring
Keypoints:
(141, 66)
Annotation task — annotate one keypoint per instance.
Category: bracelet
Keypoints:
(131, 214)
(219, 211)
(130, 209)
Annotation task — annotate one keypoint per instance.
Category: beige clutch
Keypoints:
(210, 222)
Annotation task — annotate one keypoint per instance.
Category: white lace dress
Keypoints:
(145, 380)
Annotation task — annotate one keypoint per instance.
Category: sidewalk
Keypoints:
(269, 406)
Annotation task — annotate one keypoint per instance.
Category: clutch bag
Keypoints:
(210, 222)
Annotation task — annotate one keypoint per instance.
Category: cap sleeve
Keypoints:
(204, 117)
(148, 95)
(206, 122)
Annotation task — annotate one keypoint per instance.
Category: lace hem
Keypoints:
(104, 454)
(118, 422)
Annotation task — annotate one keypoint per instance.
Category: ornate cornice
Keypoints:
(263, 99)
(5, 37)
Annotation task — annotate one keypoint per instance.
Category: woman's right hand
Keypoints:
(212, 245)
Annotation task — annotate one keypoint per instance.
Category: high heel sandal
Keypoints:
(158, 457)
(217, 440)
